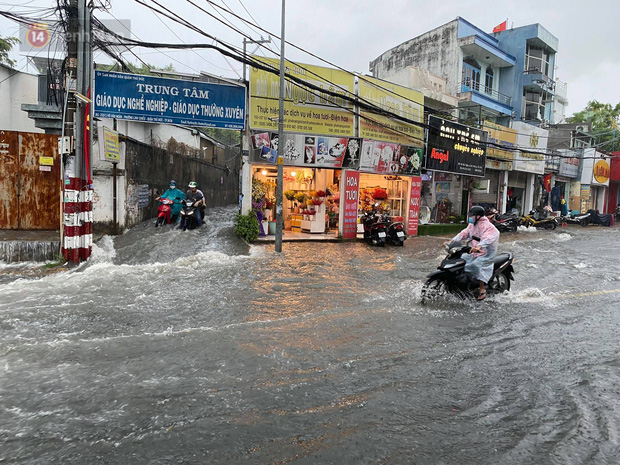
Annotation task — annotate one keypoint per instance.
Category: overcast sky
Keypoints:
(350, 33)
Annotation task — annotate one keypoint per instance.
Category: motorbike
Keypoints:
(375, 227)
(396, 232)
(617, 214)
(539, 219)
(582, 219)
(163, 212)
(188, 215)
(450, 277)
(507, 222)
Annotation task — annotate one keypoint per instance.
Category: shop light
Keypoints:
(293, 173)
(264, 172)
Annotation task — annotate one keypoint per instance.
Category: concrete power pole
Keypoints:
(77, 208)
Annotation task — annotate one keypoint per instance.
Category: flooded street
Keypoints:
(194, 348)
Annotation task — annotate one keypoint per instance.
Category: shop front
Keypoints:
(614, 183)
(568, 175)
(528, 168)
(337, 163)
(595, 181)
(456, 160)
(499, 163)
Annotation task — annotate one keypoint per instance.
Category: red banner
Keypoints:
(351, 199)
(500, 27)
(547, 181)
(414, 205)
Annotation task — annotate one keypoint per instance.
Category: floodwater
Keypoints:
(194, 348)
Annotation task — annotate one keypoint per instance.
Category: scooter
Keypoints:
(507, 222)
(163, 212)
(539, 219)
(375, 227)
(582, 218)
(396, 232)
(450, 277)
(188, 215)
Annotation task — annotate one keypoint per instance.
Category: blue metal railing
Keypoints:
(469, 86)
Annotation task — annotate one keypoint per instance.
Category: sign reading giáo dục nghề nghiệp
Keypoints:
(169, 101)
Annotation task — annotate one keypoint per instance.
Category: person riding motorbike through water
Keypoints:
(177, 196)
(197, 196)
(479, 261)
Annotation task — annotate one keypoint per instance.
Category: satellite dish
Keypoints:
(424, 215)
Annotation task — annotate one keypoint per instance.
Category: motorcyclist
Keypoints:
(198, 197)
(479, 261)
(177, 196)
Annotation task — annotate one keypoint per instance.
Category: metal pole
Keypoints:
(279, 222)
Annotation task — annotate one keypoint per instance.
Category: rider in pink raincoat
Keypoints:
(479, 262)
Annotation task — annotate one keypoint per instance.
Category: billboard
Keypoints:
(455, 148)
(306, 110)
(169, 101)
(532, 141)
(500, 135)
(389, 158)
(404, 102)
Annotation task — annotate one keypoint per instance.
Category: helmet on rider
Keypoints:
(475, 213)
(193, 184)
(173, 184)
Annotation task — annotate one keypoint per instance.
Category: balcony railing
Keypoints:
(469, 86)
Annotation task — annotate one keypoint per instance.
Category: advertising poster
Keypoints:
(306, 150)
(380, 157)
(414, 206)
(306, 110)
(503, 136)
(404, 102)
(455, 148)
(152, 99)
(352, 154)
(533, 143)
(108, 144)
(410, 161)
(351, 192)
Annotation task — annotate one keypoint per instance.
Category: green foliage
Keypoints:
(246, 226)
(227, 136)
(6, 45)
(604, 119)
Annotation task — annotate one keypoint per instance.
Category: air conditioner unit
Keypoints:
(581, 128)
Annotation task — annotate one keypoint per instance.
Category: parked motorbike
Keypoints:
(396, 232)
(188, 215)
(163, 212)
(375, 227)
(452, 279)
(507, 222)
(581, 218)
(617, 214)
(539, 218)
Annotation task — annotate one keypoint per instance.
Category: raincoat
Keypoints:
(173, 194)
(479, 265)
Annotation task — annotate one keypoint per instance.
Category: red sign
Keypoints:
(351, 200)
(414, 205)
(38, 36)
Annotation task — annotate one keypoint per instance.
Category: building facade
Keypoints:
(504, 84)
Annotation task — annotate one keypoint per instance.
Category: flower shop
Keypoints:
(312, 174)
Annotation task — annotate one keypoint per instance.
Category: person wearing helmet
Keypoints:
(177, 196)
(485, 239)
(198, 197)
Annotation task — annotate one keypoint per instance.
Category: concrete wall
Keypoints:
(436, 51)
(17, 88)
(145, 165)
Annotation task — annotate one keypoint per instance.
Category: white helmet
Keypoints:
(193, 184)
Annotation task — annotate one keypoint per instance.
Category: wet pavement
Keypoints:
(193, 347)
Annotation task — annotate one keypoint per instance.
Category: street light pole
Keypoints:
(280, 159)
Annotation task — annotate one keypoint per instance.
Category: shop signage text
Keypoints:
(455, 148)
(351, 192)
(414, 205)
(169, 101)
(601, 171)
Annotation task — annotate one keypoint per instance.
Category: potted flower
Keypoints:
(300, 198)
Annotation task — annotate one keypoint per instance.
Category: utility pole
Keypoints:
(280, 158)
(77, 198)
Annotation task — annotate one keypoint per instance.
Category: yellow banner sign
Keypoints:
(501, 135)
(110, 145)
(396, 99)
(46, 161)
(307, 109)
